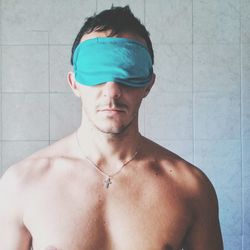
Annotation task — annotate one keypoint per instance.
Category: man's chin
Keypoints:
(112, 131)
(114, 127)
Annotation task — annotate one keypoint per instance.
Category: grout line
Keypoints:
(145, 102)
(144, 106)
(1, 115)
(156, 43)
(241, 137)
(33, 92)
(193, 108)
(1, 81)
(144, 13)
(49, 83)
(152, 91)
(24, 140)
(35, 44)
(165, 139)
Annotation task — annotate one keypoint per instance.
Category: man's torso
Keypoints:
(68, 207)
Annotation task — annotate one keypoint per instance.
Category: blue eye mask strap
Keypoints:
(117, 59)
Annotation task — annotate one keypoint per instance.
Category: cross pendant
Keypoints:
(108, 182)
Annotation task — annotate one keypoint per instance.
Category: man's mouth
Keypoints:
(111, 111)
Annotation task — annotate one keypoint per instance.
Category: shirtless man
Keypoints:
(105, 186)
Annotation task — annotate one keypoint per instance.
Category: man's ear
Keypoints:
(149, 85)
(72, 83)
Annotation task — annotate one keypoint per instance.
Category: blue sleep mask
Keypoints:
(116, 59)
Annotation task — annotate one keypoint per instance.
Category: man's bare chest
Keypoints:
(96, 218)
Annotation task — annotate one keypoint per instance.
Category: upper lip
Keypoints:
(111, 109)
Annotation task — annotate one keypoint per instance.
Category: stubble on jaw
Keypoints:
(117, 132)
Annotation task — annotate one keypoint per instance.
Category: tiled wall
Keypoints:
(199, 106)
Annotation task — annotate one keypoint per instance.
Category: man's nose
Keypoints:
(112, 90)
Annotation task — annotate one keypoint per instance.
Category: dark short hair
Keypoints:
(118, 20)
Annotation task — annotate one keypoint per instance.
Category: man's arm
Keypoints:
(205, 232)
(13, 233)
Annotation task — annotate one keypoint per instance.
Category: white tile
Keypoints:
(59, 67)
(169, 116)
(245, 61)
(230, 211)
(65, 20)
(141, 119)
(245, 21)
(173, 68)
(0, 62)
(217, 68)
(220, 160)
(216, 21)
(216, 116)
(25, 69)
(1, 116)
(246, 117)
(43, 22)
(183, 148)
(169, 21)
(24, 22)
(65, 115)
(25, 116)
(246, 162)
(137, 7)
(233, 242)
(1, 164)
(15, 151)
(246, 209)
(246, 241)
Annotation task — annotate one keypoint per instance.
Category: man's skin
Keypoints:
(56, 199)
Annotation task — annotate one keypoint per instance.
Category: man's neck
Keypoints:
(106, 148)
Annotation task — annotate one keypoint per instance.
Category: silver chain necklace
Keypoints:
(108, 177)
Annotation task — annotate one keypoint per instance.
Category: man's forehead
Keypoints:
(95, 34)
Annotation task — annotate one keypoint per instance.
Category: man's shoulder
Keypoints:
(188, 181)
(191, 181)
(18, 175)
(190, 178)
(38, 161)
